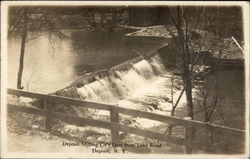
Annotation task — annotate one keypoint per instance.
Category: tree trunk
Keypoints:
(188, 91)
(181, 27)
(23, 41)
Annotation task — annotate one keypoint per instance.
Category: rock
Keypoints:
(127, 122)
(89, 138)
(102, 138)
(70, 128)
(123, 135)
(134, 119)
(136, 125)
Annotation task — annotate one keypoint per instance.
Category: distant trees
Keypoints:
(147, 16)
(104, 18)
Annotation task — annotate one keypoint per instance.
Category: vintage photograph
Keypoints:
(96, 80)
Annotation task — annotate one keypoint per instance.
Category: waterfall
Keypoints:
(117, 82)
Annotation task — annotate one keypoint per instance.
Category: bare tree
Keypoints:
(29, 80)
(25, 19)
(196, 47)
(180, 24)
(23, 41)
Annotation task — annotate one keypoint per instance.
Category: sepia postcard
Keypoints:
(124, 79)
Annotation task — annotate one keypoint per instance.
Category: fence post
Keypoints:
(47, 122)
(114, 117)
(189, 134)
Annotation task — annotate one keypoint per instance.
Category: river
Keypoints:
(52, 63)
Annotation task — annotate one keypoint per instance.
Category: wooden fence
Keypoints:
(116, 127)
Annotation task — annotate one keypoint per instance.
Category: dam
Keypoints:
(143, 83)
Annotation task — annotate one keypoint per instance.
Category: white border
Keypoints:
(4, 6)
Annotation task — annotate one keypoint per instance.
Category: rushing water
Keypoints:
(52, 63)
(119, 83)
(143, 85)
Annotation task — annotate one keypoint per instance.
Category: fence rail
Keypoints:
(114, 125)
